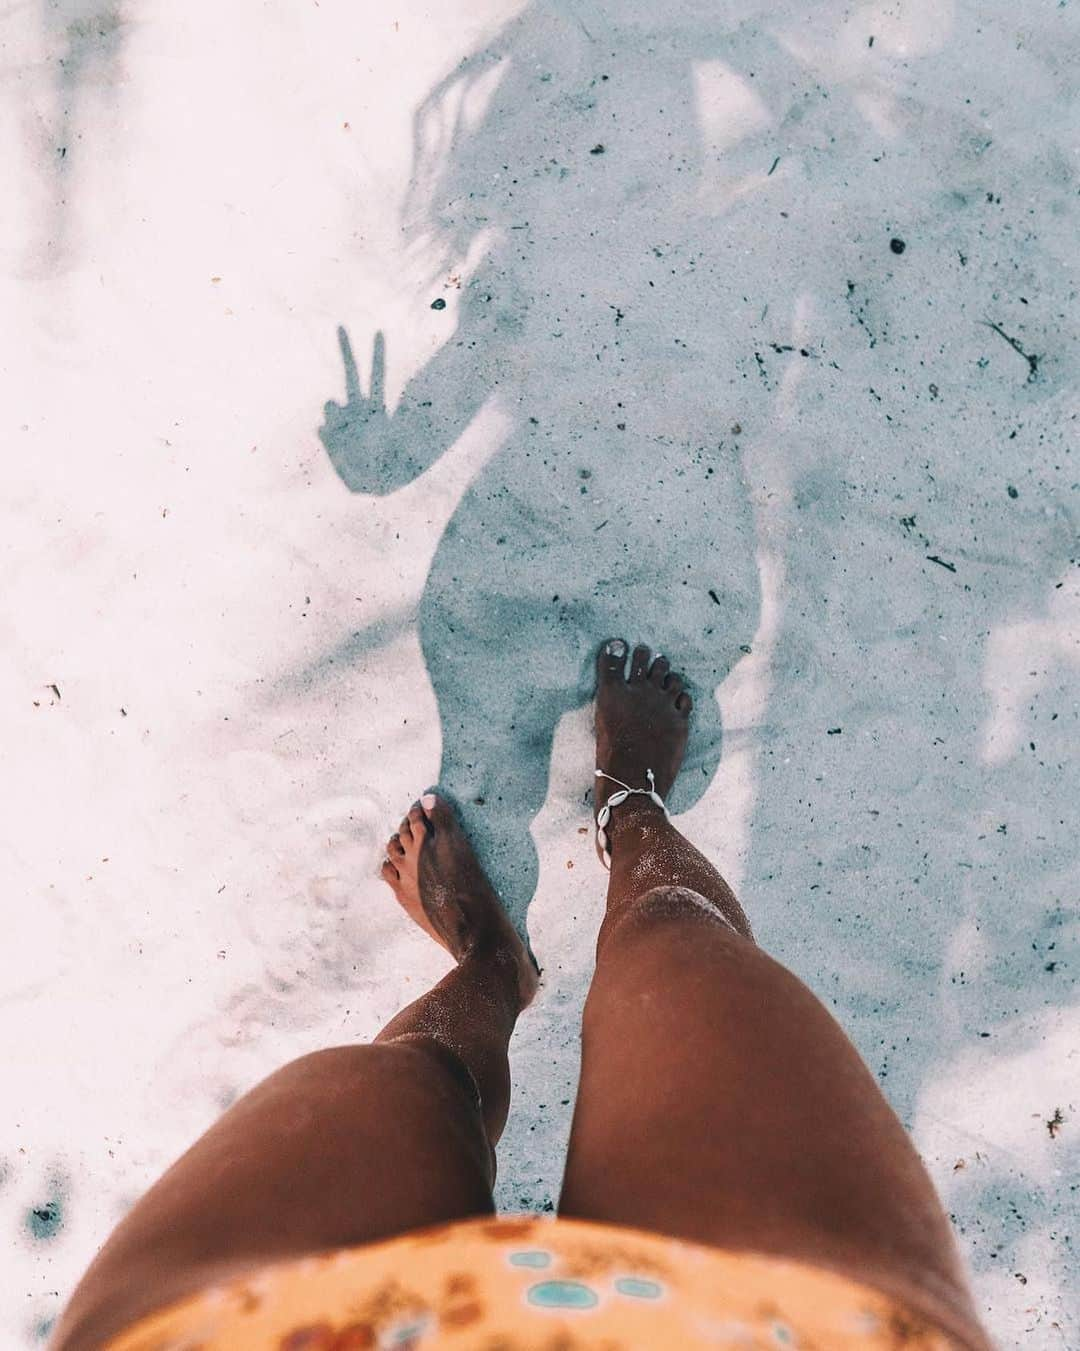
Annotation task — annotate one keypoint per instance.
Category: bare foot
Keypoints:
(432, 870)
(642, 723)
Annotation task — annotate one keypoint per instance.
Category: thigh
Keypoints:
(721, 1102)
(345, 1146)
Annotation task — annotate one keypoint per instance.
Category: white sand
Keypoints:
(195, 197)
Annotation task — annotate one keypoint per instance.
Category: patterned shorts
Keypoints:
(521, 1284)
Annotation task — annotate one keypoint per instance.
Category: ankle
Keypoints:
(633, 819)
(498, 964)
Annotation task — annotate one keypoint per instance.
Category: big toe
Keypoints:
(438, 812)
(611, 661)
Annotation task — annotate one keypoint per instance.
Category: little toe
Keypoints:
(639, 662)
(611, 660)
(388, 872)
(684, 703)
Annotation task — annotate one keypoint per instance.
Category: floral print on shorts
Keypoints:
(520, 1284)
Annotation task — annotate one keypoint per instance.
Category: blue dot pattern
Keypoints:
(637, 1288)
(562, 1295)
(535, 1258)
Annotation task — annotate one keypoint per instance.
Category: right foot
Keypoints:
(438, 881)
(642, 723)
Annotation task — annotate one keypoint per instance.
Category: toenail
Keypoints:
(616, 648)
(428, 801)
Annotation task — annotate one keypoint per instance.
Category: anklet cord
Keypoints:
(603, 816)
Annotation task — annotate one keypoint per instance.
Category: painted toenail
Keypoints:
(616, 648)
(428, 801)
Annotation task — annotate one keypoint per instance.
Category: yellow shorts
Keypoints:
(521, 1284)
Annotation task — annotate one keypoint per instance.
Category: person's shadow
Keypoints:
(601, 317)
(655, 196)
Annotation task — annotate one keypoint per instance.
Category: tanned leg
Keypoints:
(719, 1100)
(348, 1145)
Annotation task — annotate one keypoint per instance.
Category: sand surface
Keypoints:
(647, 360)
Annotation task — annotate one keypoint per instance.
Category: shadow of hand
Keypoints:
(356, 434)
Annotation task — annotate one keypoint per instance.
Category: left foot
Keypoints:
(432, 870)
(642, 720)
(642, 723)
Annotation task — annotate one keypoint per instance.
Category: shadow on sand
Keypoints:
(677, 215)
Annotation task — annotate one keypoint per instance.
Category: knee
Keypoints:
(668, 914)
(413, 1058)
(428, 1053)
(412, 1073)
(332, 1065)
(358, 1089)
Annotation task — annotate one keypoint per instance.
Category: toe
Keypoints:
(405, 829)
(660, 668)
(674, 684)
(611, 660)
(639, 662)
(684, 703)
(388, 872)
(394, 849)
(417, 821)
(438, 813)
